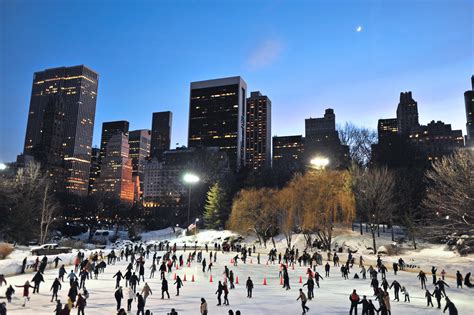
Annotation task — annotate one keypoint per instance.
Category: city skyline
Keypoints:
(360, 87)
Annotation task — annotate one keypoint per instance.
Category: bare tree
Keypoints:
(450, 194)
(359, 140)
(48, 210)
(374, 190)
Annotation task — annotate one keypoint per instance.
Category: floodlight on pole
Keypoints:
(190, 179)
(320, 162)
(3, 166)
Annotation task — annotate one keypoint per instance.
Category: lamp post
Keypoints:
(190, 179)
(319, 162)
(3, 166)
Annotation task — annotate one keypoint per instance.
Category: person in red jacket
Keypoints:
(26, 291)
(355, 300)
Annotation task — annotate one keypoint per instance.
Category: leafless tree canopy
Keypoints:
(359, 140)
(450, 194)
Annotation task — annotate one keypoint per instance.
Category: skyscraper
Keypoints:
(160, 133)
(258, 131)
(109, 129)
(115, 181)
(469, 103)
(139, 141)
(407, 114)
(94, 170)
(217, 117)
(60, 124)
(322, 139)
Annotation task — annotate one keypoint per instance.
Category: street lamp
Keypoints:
(319, 162)
(190, 179)
(3, 166)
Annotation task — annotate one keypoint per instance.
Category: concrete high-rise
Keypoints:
(407, 114)
(288, 150)
(115, 181)
(160, 134)
(258, 140)
(469, 103)
(60, 124)
(217, 117)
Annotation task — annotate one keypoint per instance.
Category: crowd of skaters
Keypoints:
(91, 267)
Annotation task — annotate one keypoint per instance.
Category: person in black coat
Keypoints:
(438, 295)
(396, 289)
(327, 268)
(55, 288)
(249, 286)
(365, 305)
(134, 281)
(59, 307)
(459, 279)
(119, 277)
(179, 284)
(118, 297)
(164, 289)
(220, 289)
(37, 279)
(140, 304)
(451, 307)
(440, 284)
(372, 309)
(428, 296)
(310, 284)
(10, 291)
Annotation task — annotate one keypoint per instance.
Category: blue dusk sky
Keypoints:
(353, 56)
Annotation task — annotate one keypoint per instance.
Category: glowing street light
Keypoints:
(196, 226)
(3, 166)
(320, 163)
(190, 179)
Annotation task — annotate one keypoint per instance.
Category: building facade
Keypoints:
(94, 170)
(139, 141)
(160, 133)
(407, 114)
(217, 117)
(288, 150)
(258, 131)
(403, 142)
(322, 140)
(60, 125)
(115, 181)
(109, 129)
(469, 103)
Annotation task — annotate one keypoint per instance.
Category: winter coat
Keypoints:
(204, 308)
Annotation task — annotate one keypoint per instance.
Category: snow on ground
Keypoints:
(331, 298)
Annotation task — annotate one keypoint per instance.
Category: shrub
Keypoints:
(5, 250)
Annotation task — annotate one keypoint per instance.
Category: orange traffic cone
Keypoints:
(301, 279)
(210, 279)
(231, 260)
(189, 264)
(237, 280)
(264, 281)
(174, 276)
(184, 279)
(281, 280)
(192, 279)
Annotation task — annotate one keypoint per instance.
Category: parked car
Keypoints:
(49, 249)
